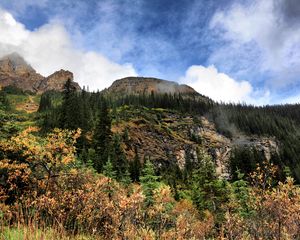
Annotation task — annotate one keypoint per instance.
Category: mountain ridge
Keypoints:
(148, 85)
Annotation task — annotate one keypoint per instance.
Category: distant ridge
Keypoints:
(147, 85)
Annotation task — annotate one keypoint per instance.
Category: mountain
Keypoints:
(168, 122)
(143, 85)
(15, 71)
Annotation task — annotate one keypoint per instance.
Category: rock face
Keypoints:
(56, 81)
(16, 72)
(141, 85)
(169, 138)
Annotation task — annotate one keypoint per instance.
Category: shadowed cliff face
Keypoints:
(16, 72)
(141, 85)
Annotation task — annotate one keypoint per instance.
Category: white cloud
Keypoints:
(220, 87)
(291, 100)
(216, 85)
(49, 49)
(268, 32)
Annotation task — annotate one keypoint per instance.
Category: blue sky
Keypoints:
(230, 50)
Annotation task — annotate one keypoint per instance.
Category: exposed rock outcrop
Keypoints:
(16, 72)
(56, 81)
(175, 139)
(142, 85)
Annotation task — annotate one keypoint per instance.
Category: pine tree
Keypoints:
(208, 192)
(86, 111)
(126, 180)
(91, 155)
(102, 136)
(108, 170)
(149, 182)
(119, 160)
(241, 193)
(135, 167)
(71, 116)
(45, 102)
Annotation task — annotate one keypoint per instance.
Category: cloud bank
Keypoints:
(49, 48)
(261, 37)
(218, 86)
(221, 87)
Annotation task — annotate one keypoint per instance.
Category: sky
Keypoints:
(245, 51)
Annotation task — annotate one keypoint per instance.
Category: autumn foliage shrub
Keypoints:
(270, 212)
(41, 185)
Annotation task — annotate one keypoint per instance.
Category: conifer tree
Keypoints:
(102, 136)
(241, 193)
(135, 167)
(45, 102)
(86, 111)
(208, 192)
(71, 111)
(149, 182)
(119, 160)
(108, 170)
(126, 180)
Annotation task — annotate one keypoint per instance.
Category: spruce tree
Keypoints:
(126, 180)
(241, 195)
(86, 111)
(71, 109)
(45, 102)
(119, 160)
(208, 192)
(149, 182)
(135, 167)
(102, 136)
(108, 170)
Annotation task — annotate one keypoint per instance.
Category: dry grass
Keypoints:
(33, 233)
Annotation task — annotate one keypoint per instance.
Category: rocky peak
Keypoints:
(14, 63)
(57, 80)
(143, 85)
(60, 75)
(14, 70)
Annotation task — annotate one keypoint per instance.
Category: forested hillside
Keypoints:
(96, 165)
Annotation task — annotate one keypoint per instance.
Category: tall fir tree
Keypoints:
(108, 170)
(149, 182)
(71, 109)
(208, 192)
(102, 136)
(45, 102)
(135, 167)
(118, 157)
